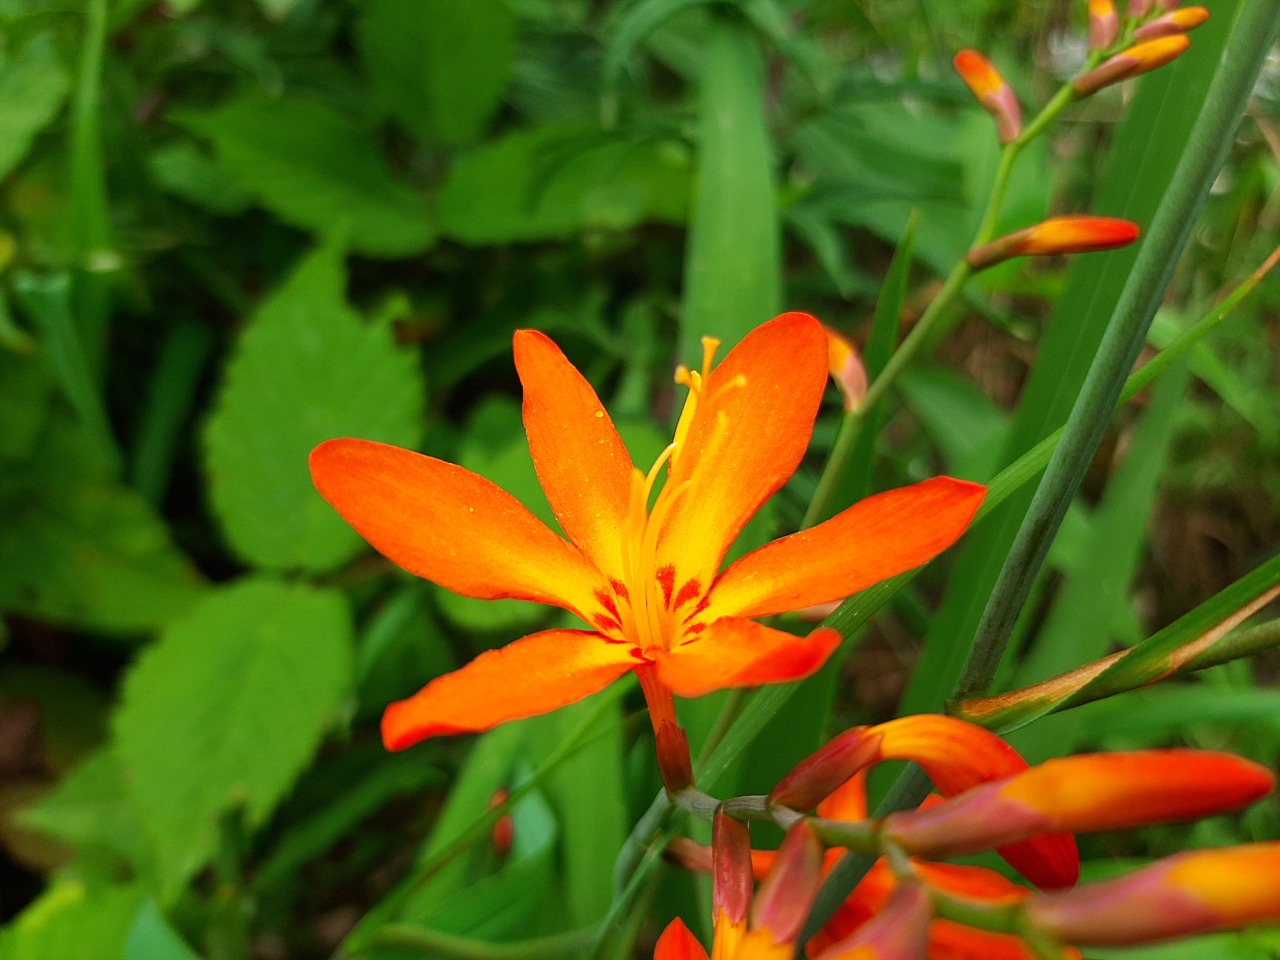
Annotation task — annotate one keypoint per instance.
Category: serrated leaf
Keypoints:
(80, 549)
(71, 919)
(307, 369)
(33, 85)
(440, 66)
(550, 182)
(227, 709)
(319, 170)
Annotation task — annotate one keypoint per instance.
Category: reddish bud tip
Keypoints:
(1056, 235)
(674, 762)
(732, 877)
(677, 943)
(1138, 9)
(820, 774)
(898, 931)
(991, 91)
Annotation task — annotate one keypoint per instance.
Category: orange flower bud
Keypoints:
(1138, 9)
(817, 776)
(1083, 794)
(996, 96)
(1173, 23)
(1056, 235)
(1104, 25)
(846, 369)
(788, 891)
(1136, 60)
(1189, 893)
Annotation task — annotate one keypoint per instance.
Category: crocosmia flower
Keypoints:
(640, 562)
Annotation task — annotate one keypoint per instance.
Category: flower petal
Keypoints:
(582, 463)
(871, 541)
(677, 943)
(747, 436)
(452, 526)
(533, 675)
(741, 653)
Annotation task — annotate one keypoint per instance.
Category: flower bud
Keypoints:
(1172, 23)
(1104, 25)
(1053, 236)
(995, 96)
(788, 891)
(1189, 893)
(674, 762)
(1083, 794)
(1136, 60)
(677, 943)
(817, 776)
(898, 931)
(846, 369)
(1138, 9)
(732, 878)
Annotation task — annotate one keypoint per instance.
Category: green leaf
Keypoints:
(91, 808)
(554, 181)
(307, 369)
(733, 258)
(71, 919)
(151, 938)
(80, 549)
(33, 86)
(185, 170)
(227, 709)
(438, 66)
(319, 170)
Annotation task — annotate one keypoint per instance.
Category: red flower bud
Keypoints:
(996, 96)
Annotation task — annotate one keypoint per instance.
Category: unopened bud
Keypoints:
(1104, 25)
(992, 92)
(1053, 236)
(846, 369)
(898, 931)
(674, 762)
(1136, 60)
(817, 776)
(787, 892)
(1138, 9)
(1172, 23)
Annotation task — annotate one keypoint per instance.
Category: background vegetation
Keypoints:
(230, 230)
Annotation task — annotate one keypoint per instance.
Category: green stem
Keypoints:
(1206, 150)
(837, 462)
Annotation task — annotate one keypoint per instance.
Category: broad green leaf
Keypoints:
(732, 274)
(33, 86)
(185, 170)
(25, 389)
(72, 919)
(307, 369)
(91, 808)
(151, 938)
(80, 549)
(438, 66)
(226, 710)
(319, 170)
(555, 181)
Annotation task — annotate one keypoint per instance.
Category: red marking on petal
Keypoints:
(667, 579)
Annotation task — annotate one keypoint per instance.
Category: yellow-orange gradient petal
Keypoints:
(536, 674)
(741, 653)
(748, 434)
(871, 541)
(677, 943)
(582, 464)
(452, 526)
(957, 756)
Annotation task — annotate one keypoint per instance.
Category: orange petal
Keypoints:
(536, 674)
(957, 756)
(748, 434)
(871, 541)
(741, 653)
(581, 461)
(849, 801)
(898, 931)
(677, 943)
(452, 526)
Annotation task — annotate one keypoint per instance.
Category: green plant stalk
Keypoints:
(1206, 151)
(434, 943)
(833, 470)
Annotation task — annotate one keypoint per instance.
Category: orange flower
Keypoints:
(1172, 23)
(1077, 234)
(1138, 59)
(646, 579)
(991, 91)
(1103, 24)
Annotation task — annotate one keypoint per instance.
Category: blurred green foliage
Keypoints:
(231, 229)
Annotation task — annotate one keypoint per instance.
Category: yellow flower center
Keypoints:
(646, 603)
